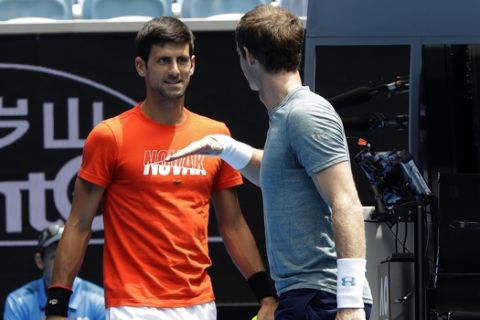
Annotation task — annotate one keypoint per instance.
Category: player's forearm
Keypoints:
(240, 156)
(252, 170)
(244, 252)
(242, 248)
(68, 259)
(349, 231)
(70, 253)
(349, 234)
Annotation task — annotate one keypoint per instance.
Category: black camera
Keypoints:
(394, 178)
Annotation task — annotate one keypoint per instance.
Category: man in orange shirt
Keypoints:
(156, 213)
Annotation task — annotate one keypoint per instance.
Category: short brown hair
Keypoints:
(274, 36)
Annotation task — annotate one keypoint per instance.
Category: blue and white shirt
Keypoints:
(28, 302)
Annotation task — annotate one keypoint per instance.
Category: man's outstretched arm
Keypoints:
(239, 155)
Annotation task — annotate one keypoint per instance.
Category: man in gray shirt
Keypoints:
(313, 217)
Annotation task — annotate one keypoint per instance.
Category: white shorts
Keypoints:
(206, 311)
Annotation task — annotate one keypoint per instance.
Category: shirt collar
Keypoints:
(290, 95)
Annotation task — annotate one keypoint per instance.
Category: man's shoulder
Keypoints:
(23, 303)
(88, 287)
(308, 100)
(25, 291)
(129, 113)
(309, 107)
(199, 119)
(107, 128)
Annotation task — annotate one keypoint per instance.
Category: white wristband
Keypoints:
(350, 281)
(235, 153)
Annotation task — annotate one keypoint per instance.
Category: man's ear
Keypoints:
(192, 68)
(38, 260)
(140, 66)
(249, 56)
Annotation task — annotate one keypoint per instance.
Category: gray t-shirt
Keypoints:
(305, 136)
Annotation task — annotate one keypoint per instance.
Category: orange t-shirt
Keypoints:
(155, 213)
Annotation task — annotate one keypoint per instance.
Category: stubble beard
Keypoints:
(170, 93)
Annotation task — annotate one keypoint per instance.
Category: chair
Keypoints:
(299, 7)
(125, 9)
(35, 9)
(222, 8)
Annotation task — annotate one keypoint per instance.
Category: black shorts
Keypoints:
(309, 304)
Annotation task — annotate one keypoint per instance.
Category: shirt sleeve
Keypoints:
(99, 154)
(317, 138)
(227, 177)
(13, 310)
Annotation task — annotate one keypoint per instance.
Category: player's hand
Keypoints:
(350, 314)
(207, 145)
(268, 305)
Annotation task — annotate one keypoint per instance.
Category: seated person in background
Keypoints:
(28, 301)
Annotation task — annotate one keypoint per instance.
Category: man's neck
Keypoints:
(164, 112)
(276, 87)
